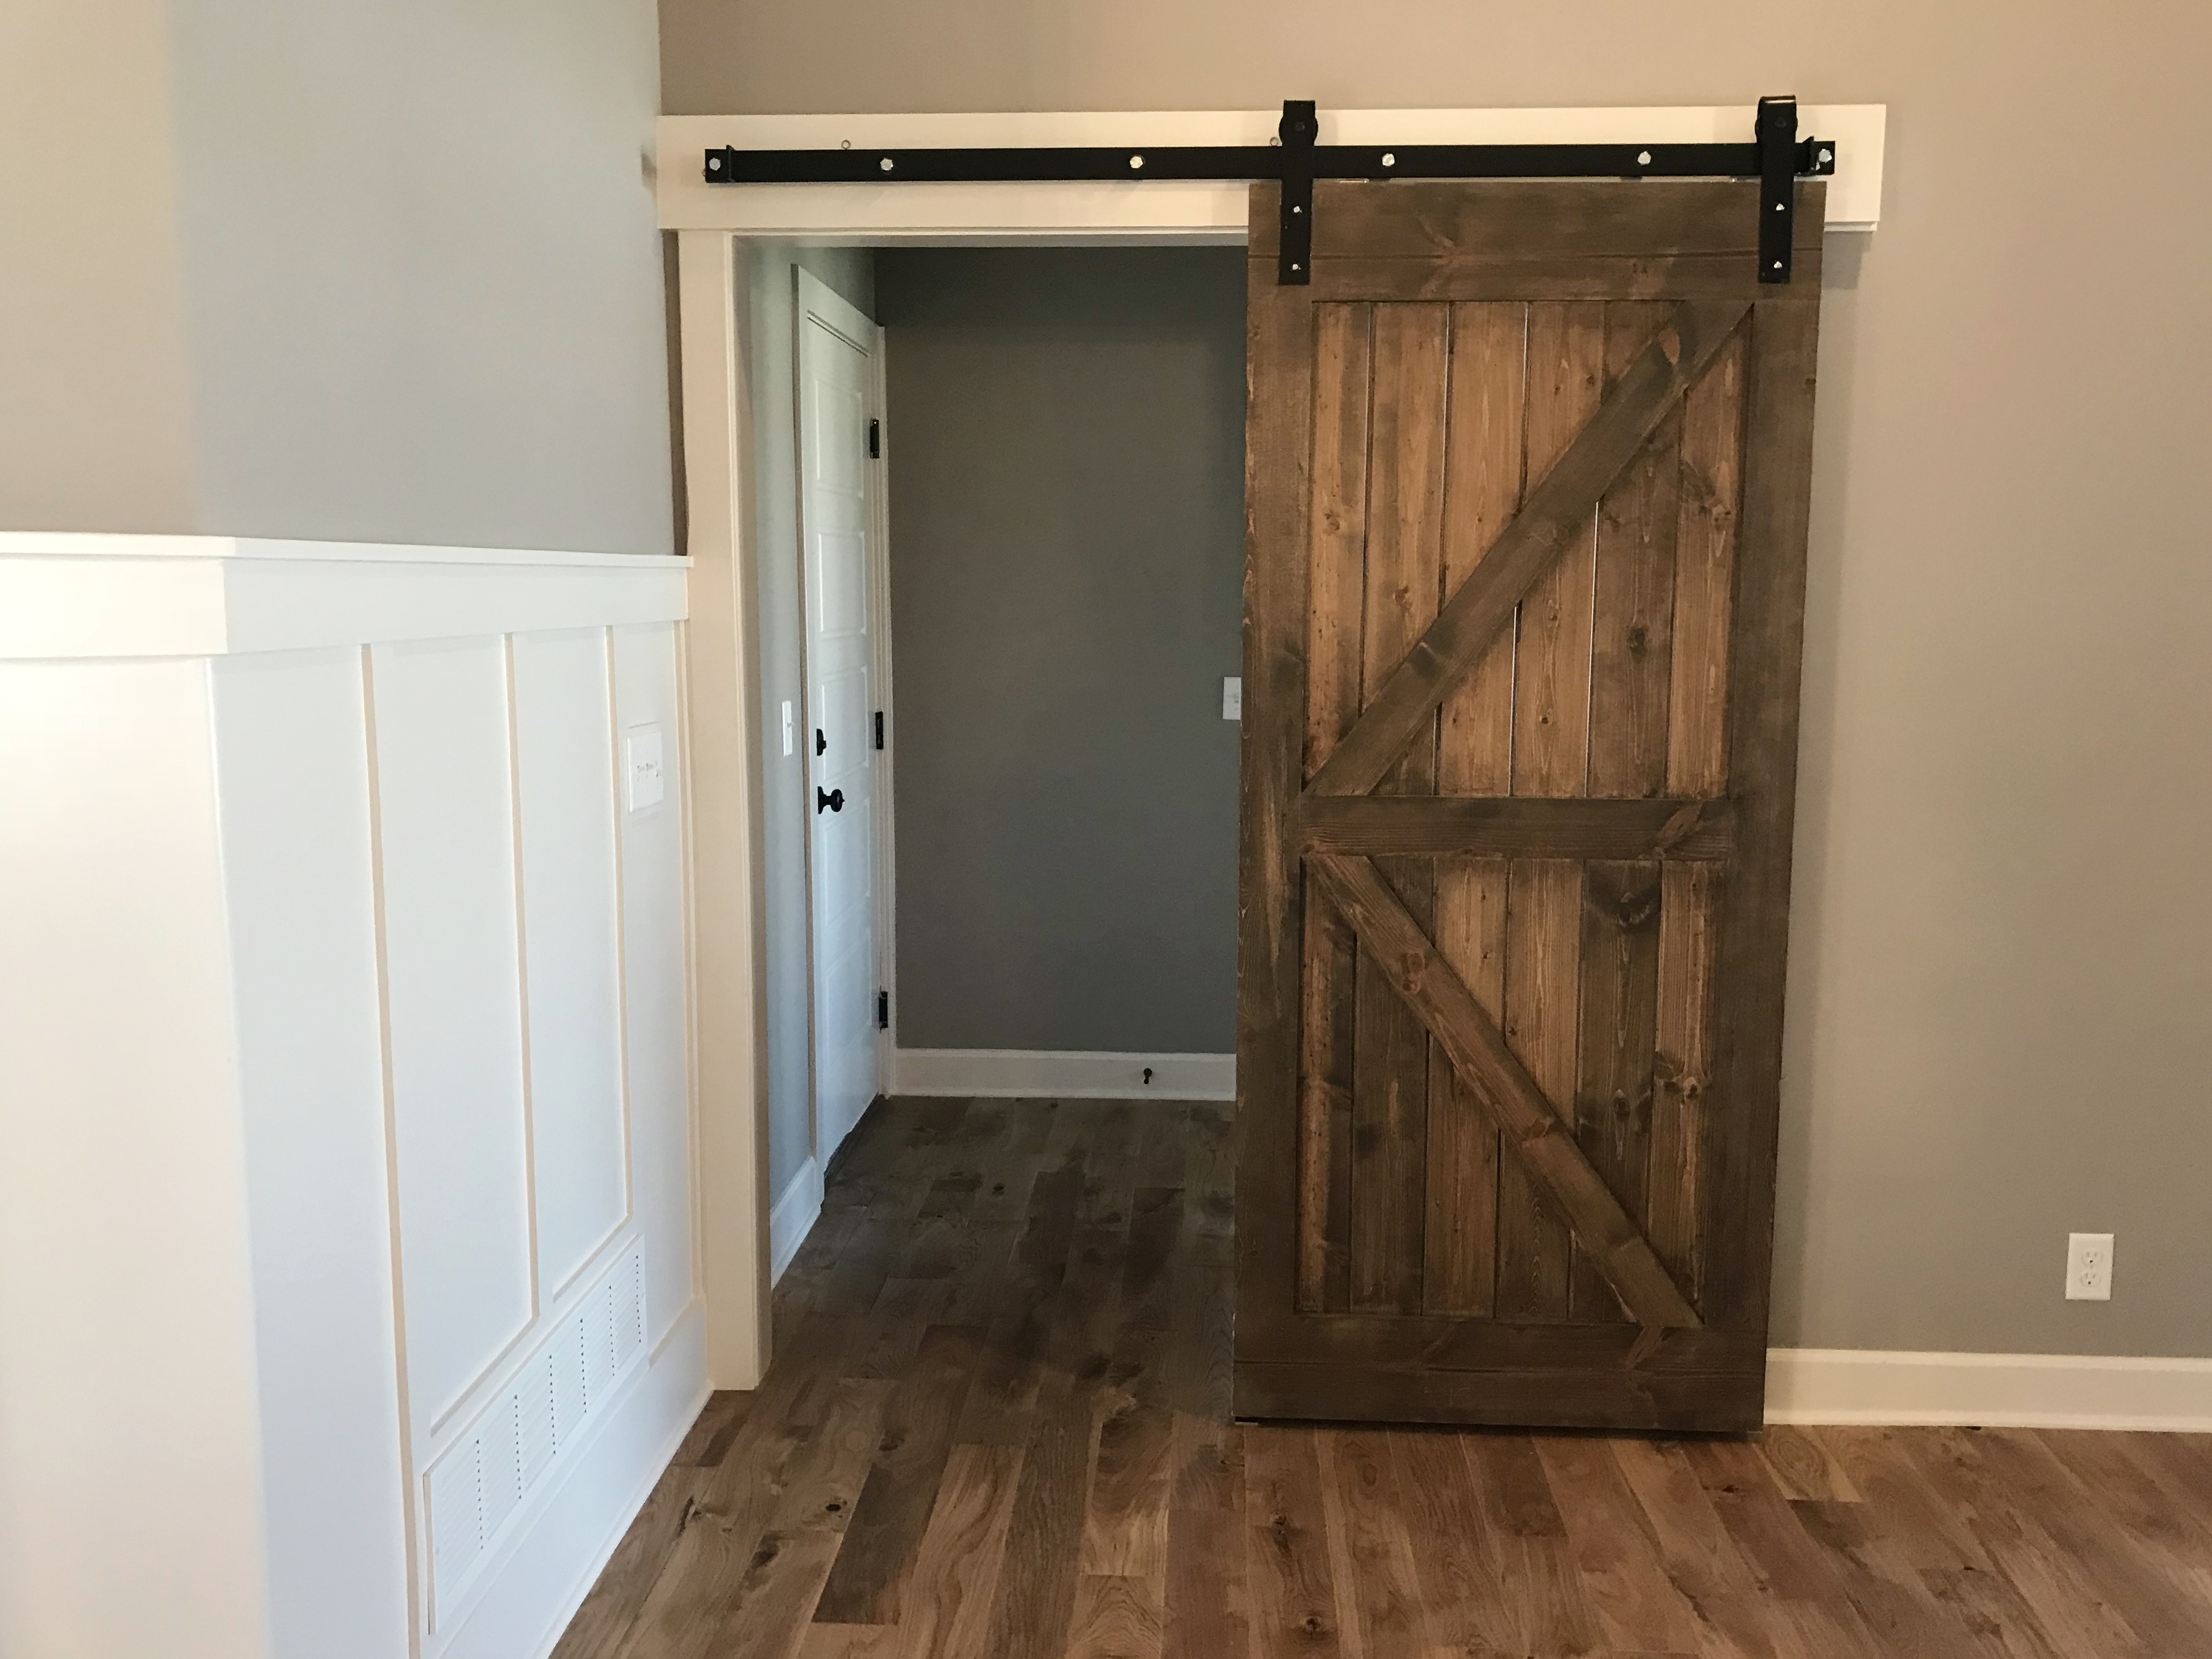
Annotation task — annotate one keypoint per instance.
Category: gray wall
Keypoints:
(1066, 549)
(2003, 940)
(363, 270)
(766, 339)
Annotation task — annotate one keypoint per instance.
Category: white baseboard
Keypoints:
(793, 1218)
(535, 1592)
(1987, 1390)
(1071, 1074)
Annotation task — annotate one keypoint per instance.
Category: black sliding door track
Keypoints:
(1776, 156)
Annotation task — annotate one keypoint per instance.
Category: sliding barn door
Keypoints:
(1527, 496)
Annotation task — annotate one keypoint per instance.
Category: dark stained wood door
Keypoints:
(1527, 480)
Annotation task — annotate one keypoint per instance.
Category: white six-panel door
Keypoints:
(835, 378)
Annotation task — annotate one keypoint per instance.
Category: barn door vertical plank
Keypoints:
(1633, 606)
(1343, 371)
(1711, 482)
(1475, 750)
(1631, 632)
(1390, 1063)
(1278, 459)
(1620, 1017)
(1765, 660)
(1696, 767)
(1543, 989)
(1551, 696)
(1550, 756)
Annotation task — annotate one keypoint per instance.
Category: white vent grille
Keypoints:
(507, 1451)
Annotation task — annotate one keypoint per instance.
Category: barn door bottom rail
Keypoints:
(1776, 156)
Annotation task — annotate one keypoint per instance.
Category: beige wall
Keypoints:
(2003, 956)
(93, 431)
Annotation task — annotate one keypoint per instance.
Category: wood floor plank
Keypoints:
(2073, 1610)
(1206, 1609)
(1466, 1606)
(1116, 1618)
(1798, 1573)
(767, 1611)
(1623, 1574)
(2165, 1615)
(610, 1612)
(1125, 1533)
(1893, 1602)
(894, 1504)
(945, 1611)
(1286, 1553)
(2175, 1537)
(1531, 1551)
(1069, 1480)
(1801, 1463)
(1378, 1591)
(1723, 1593)
(1037, 1583)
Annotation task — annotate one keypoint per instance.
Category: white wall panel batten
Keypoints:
(572, 947)
(655, 975)
(921, 212)
(66, 595)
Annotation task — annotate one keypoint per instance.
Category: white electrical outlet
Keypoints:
(2089, 1267)
(1233, 698)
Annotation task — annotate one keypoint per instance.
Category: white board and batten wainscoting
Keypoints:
(349, 1090)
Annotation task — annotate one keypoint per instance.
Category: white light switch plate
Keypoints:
(643, 782)
(786, 726)
(2089, 1267)
(1233, 698)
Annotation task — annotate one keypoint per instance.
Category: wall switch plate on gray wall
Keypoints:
(1233, 698)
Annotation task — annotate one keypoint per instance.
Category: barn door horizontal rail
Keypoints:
(1776, 156)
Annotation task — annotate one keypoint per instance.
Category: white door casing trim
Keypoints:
(730, 941)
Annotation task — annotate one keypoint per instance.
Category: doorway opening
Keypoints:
(1009, 482)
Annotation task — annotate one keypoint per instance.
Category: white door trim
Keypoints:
(729, 936)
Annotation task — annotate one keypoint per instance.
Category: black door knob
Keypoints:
(834, 799)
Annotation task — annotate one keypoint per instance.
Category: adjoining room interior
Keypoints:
(1061, 446)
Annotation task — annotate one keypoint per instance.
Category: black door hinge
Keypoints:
(875, 441)
(879, 728)
(883, 1011)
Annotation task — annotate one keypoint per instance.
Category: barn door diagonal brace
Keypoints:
(1776, 157)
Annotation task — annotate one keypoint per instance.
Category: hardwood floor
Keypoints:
(996, 1424)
